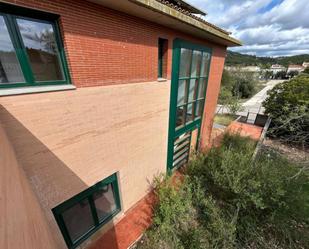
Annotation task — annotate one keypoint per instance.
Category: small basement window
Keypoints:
(162, 58)
(79, 217)
(31, 50)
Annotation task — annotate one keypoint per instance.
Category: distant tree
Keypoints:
(268, 74)
(244, 84)
(292, 74)
(280, 75)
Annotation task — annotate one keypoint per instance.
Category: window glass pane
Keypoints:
(205, 64)
(180, 116)
(40, 42)
(202, 88)
(199, 108)
(10, 71)
(104, 200)
(78, 219)
(192, 90)
(189, 116)
(181, 97)
(185, 62)
(196, 63)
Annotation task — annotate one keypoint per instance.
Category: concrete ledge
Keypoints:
(35, 89)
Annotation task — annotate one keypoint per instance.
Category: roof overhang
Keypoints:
(188, 6)
(162, 14)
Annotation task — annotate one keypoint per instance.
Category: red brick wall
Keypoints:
(106, 47)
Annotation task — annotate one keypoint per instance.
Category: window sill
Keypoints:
(161, 79)
(35, 89)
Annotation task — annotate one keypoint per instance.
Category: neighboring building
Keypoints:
(298, 68)
(305, 64)
(277, 68)
(121, 91)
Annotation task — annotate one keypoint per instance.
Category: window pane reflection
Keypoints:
(199, 108)
(10, 71)
(39, 40)
(202, 88)
(192, 90)
(189, 116)
(181, 92)
(205, 64)
(104, 200)
(180, 116)
(78, 219)
(185, 62)
(196, 63)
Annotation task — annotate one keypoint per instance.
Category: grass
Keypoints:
(224, 119)
(228, 201)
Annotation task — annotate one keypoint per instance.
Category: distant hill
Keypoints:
(238, 59)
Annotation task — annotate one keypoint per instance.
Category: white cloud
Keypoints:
(281, 30)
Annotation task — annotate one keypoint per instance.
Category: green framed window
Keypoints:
(192, 84)
(31, 50)
(79, 217)
(190, 73)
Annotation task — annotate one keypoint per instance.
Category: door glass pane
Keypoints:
(180, 116)
(40, 42)
(192, 90)
(199, 108)
(185, 62)
(104, 200)
(78, 219)
(181, 97)
(189, 116)
(10, 71)
(205, 64)
(196, 63)
(202, 88)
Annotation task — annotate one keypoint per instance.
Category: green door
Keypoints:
(191, 64)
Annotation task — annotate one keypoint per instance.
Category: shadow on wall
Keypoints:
(52, 181)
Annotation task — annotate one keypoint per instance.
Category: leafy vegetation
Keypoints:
(239, 84)
(288, 106)
(237, 59)
(228, 201)
(224, 119)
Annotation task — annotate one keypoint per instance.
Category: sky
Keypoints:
(266, 27)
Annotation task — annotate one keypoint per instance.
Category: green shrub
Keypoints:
(237, 84)
(288, 106)
(228, 201)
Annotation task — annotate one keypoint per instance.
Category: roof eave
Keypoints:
(166, 10)
(164, 15)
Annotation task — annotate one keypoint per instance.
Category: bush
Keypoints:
(288, 106)
(228, 201)
(244, 86)
(238, 84)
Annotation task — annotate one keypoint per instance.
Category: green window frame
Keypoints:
(87, 196)
(179, 76)
(11, 14)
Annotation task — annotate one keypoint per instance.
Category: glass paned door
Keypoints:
(189, 84)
